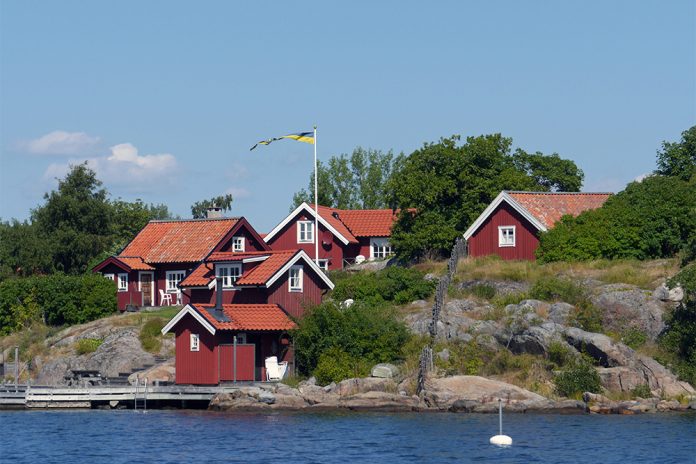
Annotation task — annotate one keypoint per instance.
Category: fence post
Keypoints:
(16, 368)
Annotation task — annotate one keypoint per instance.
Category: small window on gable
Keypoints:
(237, 244)
(109, 276)
(195, 342)
(295, 280)
(305, 232)
(324, 264)
(506, 236)
(123, 282)
(229, 273)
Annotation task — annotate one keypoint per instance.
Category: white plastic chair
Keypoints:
(275, 370)
(165, 297)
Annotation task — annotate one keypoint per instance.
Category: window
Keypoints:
(109, 276)
(229, 273)
(195, 342)
(324, 264)
(506, 236)
(295, 281)
(123, 282)
(380, 248)
(237, 243)
(173, 279)
(305, 232)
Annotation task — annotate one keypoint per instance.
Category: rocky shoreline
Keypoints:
(459, 394)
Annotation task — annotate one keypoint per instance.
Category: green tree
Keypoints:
(76, 218)
(128, 218)
(200, 208)
(23, 250)
(442, 187)
(357, 181)
(678, 159)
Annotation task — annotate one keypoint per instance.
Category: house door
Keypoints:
(146, 288)
(244, 362)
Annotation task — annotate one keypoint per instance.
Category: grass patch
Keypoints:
(150, 334)
(87, 345)
(501, 301)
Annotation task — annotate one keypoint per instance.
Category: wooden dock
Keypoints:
(115, 397)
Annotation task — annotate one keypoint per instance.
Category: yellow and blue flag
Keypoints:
(306, 137)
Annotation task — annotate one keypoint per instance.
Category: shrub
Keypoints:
(578, 377)
(335, 365)
(559, 354)
(150, 334)
(88, 345)
(393, 284)
(485, 291)
(642, 391)
(585, 315)
(372, 334)
(634, 338)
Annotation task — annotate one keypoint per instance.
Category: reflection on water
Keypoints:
(205, 437)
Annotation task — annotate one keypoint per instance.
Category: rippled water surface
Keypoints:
(206, 437)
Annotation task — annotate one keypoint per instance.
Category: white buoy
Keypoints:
(500, 439)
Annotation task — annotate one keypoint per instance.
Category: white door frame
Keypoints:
(152, 287)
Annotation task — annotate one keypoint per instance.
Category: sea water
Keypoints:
(94, 436)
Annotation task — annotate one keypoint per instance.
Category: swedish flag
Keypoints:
(306, 137)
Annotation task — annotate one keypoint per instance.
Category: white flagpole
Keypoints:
(316, 203)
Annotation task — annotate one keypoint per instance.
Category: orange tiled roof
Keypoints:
(178, 241)
(249, 317)
(235, 256)
(548, 207)
(328, 215)
(267, 269)
(368, 222)
(200, 277)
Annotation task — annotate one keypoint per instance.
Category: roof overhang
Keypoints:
(305, 207)
(301, 255)
(503, 197)
(111, 260)
(188, 309)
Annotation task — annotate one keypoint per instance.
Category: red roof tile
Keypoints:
(368, 222)
(249, 317)
(328, 215)
(267, 269)
(135, 263)
(178, 241)
(200, 277)
(235, 256)
(549, 207)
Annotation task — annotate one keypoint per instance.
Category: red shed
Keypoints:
(509, 227)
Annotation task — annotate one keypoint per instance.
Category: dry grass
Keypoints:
(644, 274)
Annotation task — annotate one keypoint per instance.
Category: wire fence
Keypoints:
(459, 250)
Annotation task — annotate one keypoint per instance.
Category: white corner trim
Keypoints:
(503, 196)
(304, 206)
(301, 255)
(188, 309)
(255, 259)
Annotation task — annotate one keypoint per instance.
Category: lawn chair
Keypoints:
(275, 370)
(165, 297)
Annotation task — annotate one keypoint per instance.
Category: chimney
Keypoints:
(213, 212)
(218, 294)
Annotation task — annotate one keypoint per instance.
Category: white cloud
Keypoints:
(61, 143)
(125, 168)
(641, 177)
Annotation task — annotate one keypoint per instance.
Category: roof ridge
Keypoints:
(235, 218)
(558, 193)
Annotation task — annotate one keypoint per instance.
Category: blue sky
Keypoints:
(165, 98)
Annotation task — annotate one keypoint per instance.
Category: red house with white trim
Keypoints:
(240, 307)
(343, 234)
(509, 227)
(150, 267)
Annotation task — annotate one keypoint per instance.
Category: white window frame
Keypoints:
(380, 248)
(228, 276)
(194, 342)
(305, 232)
(110, 276)
(503, 240)
(238, 244)
(323, 264)
(298, 278)
(122, 282)
(173, 288)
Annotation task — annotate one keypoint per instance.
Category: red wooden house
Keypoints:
(150, 267)
(240, 307)
(509, 227)
(343, 234)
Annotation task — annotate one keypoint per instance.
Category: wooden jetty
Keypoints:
(137, 396)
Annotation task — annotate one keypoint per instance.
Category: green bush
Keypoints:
(88, 345)
(335, 365)
(394, 284)
(642, 391)
(371, 334)
(585, 315)
(560, 354)
(634, 338)
(150, 334)
(62, 299)
(578, 377)
(485, 291)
